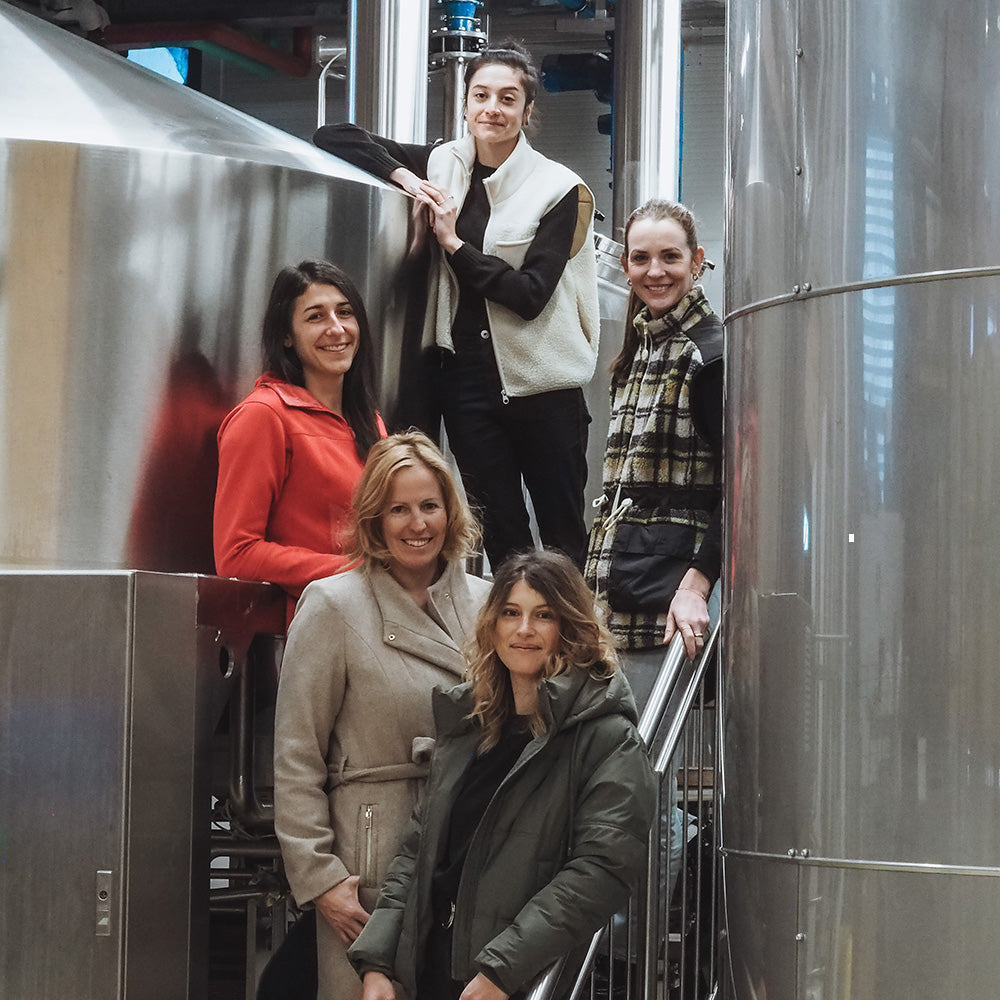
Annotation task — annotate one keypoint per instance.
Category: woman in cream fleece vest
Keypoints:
(512, 306)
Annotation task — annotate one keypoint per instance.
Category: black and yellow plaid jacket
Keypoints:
(660, 459)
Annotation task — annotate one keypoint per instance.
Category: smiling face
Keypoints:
(414, 525)
(526, 635)
(495, 110)
(659, 263)
(324, 335)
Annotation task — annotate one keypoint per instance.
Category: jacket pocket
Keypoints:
(514, 249)
(367, 849)
(647, 563)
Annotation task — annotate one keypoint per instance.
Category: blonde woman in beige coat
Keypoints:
(353, 722)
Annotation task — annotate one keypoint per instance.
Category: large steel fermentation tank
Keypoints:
(140, 230)
(862, 692)
(142, 226)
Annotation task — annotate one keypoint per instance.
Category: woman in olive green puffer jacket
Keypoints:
(536, 813)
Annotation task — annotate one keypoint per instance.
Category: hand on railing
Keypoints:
(482, 989)
(545, 984)
(667, 691)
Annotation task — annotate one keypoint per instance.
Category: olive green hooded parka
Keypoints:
(555, 855)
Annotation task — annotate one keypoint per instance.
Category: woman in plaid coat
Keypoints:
(655, 547)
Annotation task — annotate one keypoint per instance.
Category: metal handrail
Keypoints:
(667, 691)
(687, 700)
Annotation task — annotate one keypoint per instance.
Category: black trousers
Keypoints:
(541, 439)
(291, 973)
(434, 981)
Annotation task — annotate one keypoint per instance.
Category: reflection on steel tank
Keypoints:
(142, 226)
(171, 524)
(861, 742)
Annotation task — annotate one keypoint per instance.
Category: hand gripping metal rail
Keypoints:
(675, 689)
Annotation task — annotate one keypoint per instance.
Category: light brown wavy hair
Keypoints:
(385, 458)
(584, 640)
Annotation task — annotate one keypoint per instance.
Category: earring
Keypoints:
(628, 281)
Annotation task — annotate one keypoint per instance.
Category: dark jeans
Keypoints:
(291, 973)
(541, 439)
(434, 981)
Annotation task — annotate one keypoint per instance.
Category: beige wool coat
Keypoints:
(353, 731)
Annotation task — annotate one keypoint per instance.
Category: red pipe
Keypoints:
(190, 33)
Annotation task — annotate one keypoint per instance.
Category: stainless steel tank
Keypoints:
(612, 289)
(141, 228)
(142, 225)
(861, 744)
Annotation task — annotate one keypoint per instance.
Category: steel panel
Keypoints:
(167, 795)
(762, 957)
(898, 935)
(861, 143)
(112, 687)
(862, 692)
(60, 88)
(841, 935)
(63, 729)
(898, 116)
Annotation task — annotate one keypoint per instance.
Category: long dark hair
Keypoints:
(359, 381)
(584, 640)
(657, 211)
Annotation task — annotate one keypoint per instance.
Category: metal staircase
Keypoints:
(666, 945)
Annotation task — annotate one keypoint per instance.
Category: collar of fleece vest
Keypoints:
(509, 176)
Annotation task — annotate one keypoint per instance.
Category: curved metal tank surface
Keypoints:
(141, 228)
(861, 742)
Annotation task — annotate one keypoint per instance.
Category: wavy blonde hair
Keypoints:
(584, 640)
(385, 458)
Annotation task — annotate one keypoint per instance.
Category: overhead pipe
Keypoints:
(566, 71)
(589, 8)
(458, 40)
(583, 7)
(210, 36)
(328, 54)
(387, 58)
(647, 110)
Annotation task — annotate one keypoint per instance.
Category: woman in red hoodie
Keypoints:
(292, 452)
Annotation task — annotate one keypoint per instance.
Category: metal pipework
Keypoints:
(584, 8)
(647, 112)
(244, 806)
(387, 79)
(264, 849)
(451, 47)
(328, 54)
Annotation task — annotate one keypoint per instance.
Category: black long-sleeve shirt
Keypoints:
(481, 276)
